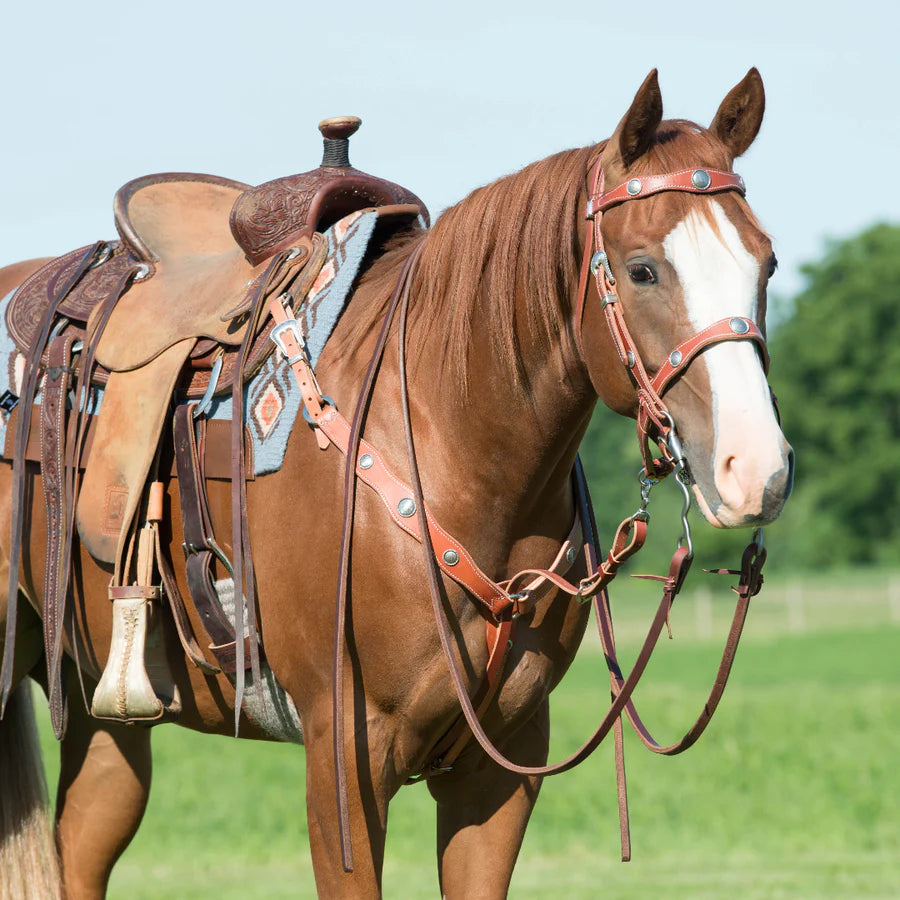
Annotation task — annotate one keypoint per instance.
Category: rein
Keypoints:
(503, 602)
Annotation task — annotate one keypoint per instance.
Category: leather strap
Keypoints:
(733, 328)
(200, 547)
(276, 276)
(53, 429)
(692, 181)
(30, 381)
(749, 584)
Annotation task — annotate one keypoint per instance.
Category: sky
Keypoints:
(452, 96)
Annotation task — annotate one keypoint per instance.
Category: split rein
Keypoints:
(504, 602)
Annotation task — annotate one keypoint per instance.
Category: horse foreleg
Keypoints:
(370, 786)
(103, 787)
(482, 812)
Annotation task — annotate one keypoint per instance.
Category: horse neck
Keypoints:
(495, 455)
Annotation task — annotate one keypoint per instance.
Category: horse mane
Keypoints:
(516, 237)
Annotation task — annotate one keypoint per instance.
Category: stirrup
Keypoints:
(136, 685)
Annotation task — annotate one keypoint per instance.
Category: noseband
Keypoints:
(654, 421)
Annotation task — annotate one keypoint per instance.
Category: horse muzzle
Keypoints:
(749, 488)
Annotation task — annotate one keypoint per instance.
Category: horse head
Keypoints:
(683, 258)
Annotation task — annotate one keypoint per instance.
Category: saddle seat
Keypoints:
(206, 240)
(177, 225)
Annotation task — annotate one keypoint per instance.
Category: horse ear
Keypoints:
(634, 134)
(737, 122)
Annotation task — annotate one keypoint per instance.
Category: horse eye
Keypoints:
(773, 265)
(641, 273)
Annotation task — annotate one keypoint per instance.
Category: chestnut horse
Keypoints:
(502, 383)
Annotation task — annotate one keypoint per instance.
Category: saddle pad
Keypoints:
(272, 398)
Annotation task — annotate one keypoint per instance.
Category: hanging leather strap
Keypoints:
(200, 547)
(749, 584)
(30, 382)
(53, 430)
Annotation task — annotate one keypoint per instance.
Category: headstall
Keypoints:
(503, 602)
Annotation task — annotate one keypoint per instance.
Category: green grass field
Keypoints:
(792, 792)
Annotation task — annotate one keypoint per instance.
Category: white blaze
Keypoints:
(720, 278)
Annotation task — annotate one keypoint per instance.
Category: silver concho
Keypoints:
(701, 179)
(634, 187)
(571, 553)
(451, 557)
(739, 325)
(675, 358)
(406, 507)
(366, 461)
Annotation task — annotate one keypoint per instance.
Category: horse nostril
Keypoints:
(789, 487)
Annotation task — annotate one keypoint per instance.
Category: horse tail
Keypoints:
(28, 859)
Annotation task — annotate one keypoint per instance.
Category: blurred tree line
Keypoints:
(836, 372)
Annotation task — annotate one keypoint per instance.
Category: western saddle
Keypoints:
(159, 322)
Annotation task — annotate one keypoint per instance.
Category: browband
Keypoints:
(694, 181)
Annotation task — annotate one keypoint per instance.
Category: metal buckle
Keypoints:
(292, 326)
(600, 259)
(206, 400)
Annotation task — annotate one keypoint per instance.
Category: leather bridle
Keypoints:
(503, 602)
(654, 421)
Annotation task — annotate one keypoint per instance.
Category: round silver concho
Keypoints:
(739, 325)
(366, 461)
(634, 187)
(675, 358)
(406, 507)
(701, 179)
(451, 557)
(571, 553)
